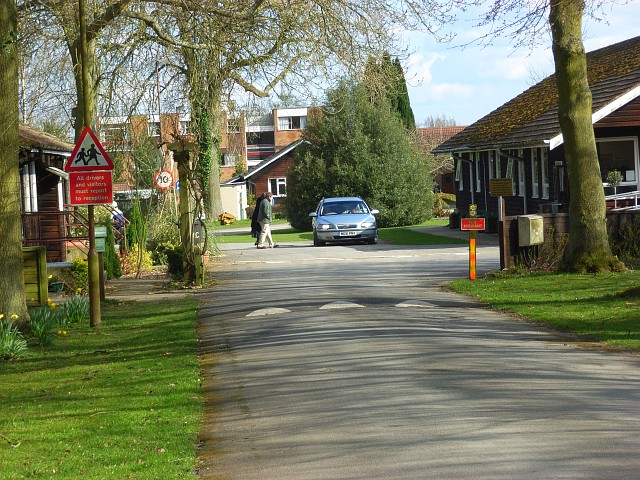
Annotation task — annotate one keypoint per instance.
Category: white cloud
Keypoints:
(419, 66)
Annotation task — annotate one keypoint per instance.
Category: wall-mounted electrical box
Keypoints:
(530, 230)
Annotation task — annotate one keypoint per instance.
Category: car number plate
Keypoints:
(347, 234)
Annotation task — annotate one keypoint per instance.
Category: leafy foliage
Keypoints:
(43, 320)
(111, 259)
(12, 344)
(75, 309)
(359, 148)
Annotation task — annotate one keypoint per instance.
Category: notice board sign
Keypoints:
(501, 187)
(90, 188)
(475, 223)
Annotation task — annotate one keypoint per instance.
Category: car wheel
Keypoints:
(316, 242)
(372, 241)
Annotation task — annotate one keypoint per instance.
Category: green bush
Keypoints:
(626, 242)
(136, 260)
(76, 277)
(111, 259)
(43, 320)
(162, 234)
(74, 309)
(174, 260)
(12, 344)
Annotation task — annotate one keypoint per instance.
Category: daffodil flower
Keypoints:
(13, 316)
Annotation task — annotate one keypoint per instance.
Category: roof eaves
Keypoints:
(272, 158)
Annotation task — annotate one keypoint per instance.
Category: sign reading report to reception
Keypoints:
(90, 188)
(89, 169)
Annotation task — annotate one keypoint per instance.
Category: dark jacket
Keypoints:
(255, 225)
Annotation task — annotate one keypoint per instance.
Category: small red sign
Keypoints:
(88, 154)
(472, 223)
(90, 188)
(163, 179)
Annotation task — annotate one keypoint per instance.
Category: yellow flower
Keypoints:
(50, 277)
(79, 290)
(52, 305)
(49, 300)
(61, 332)
(1, 316)
(13, 316)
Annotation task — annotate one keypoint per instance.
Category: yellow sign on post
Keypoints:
(501, 187)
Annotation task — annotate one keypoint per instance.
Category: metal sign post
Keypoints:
(472, 224)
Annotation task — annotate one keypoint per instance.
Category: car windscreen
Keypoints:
(343, 208)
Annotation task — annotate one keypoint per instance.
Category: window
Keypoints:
(475, 158)
(184, 127)
(510, 173)
(233, 125)
(492, 168)
(153, 129)
(115, 133)
(230, 159)
(459, 175)
(535, 187)
(292, 123)
(545, 173)
(619, 154)
(278, 186)
(522, 181)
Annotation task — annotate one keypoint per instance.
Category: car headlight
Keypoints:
(368, 224)
(324, 226)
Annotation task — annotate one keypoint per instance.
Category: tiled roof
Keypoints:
(32, 138)
(266, 162)
(532, 117)
(437, 135)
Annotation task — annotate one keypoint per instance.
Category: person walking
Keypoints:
(264, 219)
(255, 226)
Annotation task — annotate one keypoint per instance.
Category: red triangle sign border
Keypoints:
(70, 167)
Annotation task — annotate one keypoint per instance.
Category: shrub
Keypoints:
(111, 259)
(43, 320)
(136, 261)
(626, 242)
(12, 344)
(74, 309)
(174, 260)
(76, 277)
(162, 233)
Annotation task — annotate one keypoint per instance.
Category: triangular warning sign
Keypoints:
(88, 154)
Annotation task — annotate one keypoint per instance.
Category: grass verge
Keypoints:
(392, 235)
(118, 401)
(603, 307)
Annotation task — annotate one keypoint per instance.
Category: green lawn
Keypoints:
(602, 307)
(392, 235)
(121, 400)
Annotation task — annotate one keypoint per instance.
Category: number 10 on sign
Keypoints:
(163, 179)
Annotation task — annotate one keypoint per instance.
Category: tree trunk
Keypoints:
(588, 249)
(213, 196)
(92, 86)
(12, 295)
(186, 215)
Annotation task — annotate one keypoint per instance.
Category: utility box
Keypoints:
(530, 230)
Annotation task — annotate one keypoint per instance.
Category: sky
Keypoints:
(467, 83)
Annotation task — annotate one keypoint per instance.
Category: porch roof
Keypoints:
(33, 139)
(531, 118)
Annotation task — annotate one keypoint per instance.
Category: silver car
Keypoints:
(344, 219)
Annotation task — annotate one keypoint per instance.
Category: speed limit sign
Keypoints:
(163, 179)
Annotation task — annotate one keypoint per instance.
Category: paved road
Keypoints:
(349, 362)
